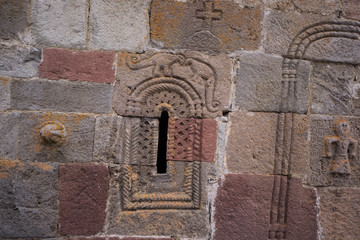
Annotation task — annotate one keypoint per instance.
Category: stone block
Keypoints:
(242, 202)
(335, 89)
(28, 199)
(192, 140)
(59, 23)
(259, 84)
(352, 9)
(41, 140)
(205, 26)
(90, 66)
(281, 27)
(18, 60)
(161, 221)
(108, 139)
(83, 192)
(323, 7)
(61, 95)
(4, 93)
(13, 18)
(9, 130)
(251, 143)
(328, 165)
(339, 215)
(116, 25)
(188, 85)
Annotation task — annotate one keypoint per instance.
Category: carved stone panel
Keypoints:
(334, 150)
(186, 85)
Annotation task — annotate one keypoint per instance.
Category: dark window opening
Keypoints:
(161, 163)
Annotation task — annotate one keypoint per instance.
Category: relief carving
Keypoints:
(53, 132)
(341, 148)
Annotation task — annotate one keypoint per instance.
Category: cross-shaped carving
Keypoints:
(208, 14)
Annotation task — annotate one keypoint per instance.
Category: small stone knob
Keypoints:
(53, 132)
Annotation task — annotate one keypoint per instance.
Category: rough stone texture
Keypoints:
(242, 202)
(108, 139)
(76, 147)
(302, 212)
(205, 26)
(322, 127)
(181, 223)
(339, 50)
(323, 7)
(281, 27)
(92, 66)
(352, 9)
(251, 143)
(59, 23)
(4, 93)
(339, 215)
(13, 17)
(9, 130)
(39, 94)
(335, 89)
(18, 60)
(186, 85)
(119, 24)
(209, 140)
(83, 191)
(28, 199)
(259, 83)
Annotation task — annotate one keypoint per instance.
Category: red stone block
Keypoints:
(83, 191)
(90, 66)
(192, 139)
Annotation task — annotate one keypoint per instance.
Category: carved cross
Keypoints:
(208, 13)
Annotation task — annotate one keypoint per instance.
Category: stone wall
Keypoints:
(179, 119)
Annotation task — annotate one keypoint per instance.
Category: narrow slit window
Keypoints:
(161, 163)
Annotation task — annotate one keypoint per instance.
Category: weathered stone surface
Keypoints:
(39, 94)
(251, 143)
(77, 146)
(145, 238)
(259, 83)
(83, 191)
(242, 202)
(302, 212)
(352, 9)
(119, 24)
(286, 5)
(28, 199)
(13, 17)
(108, 139)
(4, 93)
(341, 50)
(189, 223)
(327, 162)
(323, 7)
(209, 140)
(281, 27)
(18, 60)
(90, 66)
(205, 26)
(339, 215)
(335, 89)
(186, 85)
(9, 130)
(59, 23)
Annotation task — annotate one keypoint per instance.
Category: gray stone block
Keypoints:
(13, 18)
(4, 93)
(18, 60)
(76, 146)
(259, 83)
(9, 129)
(28, 199)
(59, 23)
(119, 24)
(108, 139)
(61, 95)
